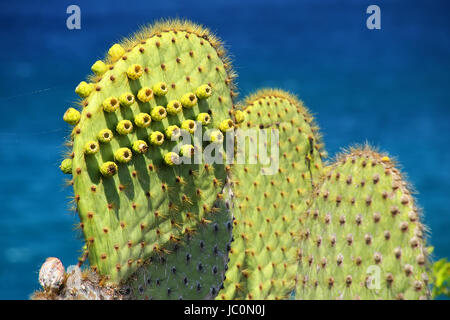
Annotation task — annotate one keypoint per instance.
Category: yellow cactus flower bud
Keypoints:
(158, 113)
(84, 89)
(156, 138)
(124, 127)
(239, 116)
(108, 169)
(226, 125)
(188, 100)
(66, 166)
(99, 67)
(111, 104)
(91, 147)
(126, 99)
(140, 146)
(142, 120)
(204, 118)
(385, 159)
(160, 89)
(203, 91)
(189, 125)
(116, 52)
(171, 158)
(145, 94)
(174, 107)
(105, 135)
(72, 116)
(173, 132)
(123, 155)
(135, 71)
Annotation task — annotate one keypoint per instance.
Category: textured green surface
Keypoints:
(139, 209)
(363, 220)
(263, 255)
(193, 270)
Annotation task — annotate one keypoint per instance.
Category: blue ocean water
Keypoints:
(389, 87)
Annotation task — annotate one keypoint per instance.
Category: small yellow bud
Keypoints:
(189, 125)
(105, 135)
(123, 155)
(156, 138)
(84, 89)
(66, 166)
(160, 89)
(72, 116)
(226, 125)
(171, 158)
(174, 107)
(158, 113)
(189, 100)
(203, 91)
(134, 71)
(124, 127)
(111, 104)
(204, 118)
(126, 99)
(99, 67)
(108, 169)
(385, 159)
(91, 147)
(140, 146)
(145, 94)
(116, 52)
(142, 120)
(173, 132)
(239, 116)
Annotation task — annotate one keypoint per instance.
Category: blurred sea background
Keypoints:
(390, 87)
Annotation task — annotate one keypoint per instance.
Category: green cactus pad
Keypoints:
(362, 237)
(267, 205)
(195, 268)
(132, 205)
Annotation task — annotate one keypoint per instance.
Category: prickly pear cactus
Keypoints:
(160, 224)
(362, 237)
(135, 200)
(270, 194)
